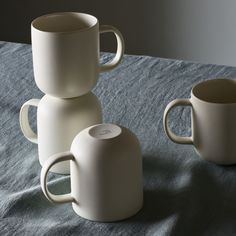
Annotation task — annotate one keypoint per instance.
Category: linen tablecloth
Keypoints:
(183, 194)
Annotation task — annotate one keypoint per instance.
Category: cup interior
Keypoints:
(216, 91)
(64, 22)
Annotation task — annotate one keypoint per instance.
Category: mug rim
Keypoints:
(193, 94)
(64, 32)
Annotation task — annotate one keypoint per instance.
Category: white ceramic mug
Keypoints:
(213, 104)
(58, 122)
(106, 173)
(65, 49)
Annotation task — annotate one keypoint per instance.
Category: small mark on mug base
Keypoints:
(105, 131)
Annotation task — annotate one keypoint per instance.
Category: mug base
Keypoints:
(217, 161)
(103, 219)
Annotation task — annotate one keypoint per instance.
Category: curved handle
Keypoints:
(24, 120)
(63, 198)
(175, 138)
(120, 47)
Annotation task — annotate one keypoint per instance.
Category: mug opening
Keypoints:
(64, 22)
(220, 91)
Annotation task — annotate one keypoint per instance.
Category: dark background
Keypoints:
(130, 17)
(195, 30)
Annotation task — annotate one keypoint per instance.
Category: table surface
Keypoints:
(183, 194)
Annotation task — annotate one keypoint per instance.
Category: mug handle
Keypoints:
(175, 138)
(120, 47)
(62, 198)
(24, 120)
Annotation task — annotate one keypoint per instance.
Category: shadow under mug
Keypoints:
(65, 48)
(213, 117)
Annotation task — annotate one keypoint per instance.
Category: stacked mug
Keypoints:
(65, 48)
(104, 160)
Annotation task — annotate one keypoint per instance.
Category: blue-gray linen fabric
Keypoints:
(183, 194)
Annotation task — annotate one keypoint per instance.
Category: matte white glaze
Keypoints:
(106, 173)
(65, 49)
(58, 122)
(213, 104)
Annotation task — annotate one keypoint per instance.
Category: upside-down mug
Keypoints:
(106, 173)
(58, 122)
(65, 48)
(213, 104)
